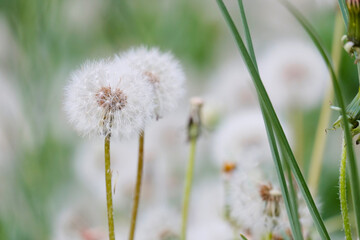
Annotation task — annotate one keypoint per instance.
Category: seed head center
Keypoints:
(151, 77)
(111, 100)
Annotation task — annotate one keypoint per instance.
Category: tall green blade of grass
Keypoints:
(354, 177)
(344, 11)
(288, 199)
(276, 124)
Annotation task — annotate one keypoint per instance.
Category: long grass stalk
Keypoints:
(276, 123)
(292, 213)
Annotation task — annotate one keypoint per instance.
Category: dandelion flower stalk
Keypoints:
(193, 134)
(110, 210)
(109, 99)
(136, 199)
(343, 199)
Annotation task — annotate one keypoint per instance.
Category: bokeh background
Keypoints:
(51, 180)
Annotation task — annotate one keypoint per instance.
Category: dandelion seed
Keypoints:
(294, 75)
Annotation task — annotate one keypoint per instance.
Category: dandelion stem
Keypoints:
(188, 185)
(343, 200)
(358, 68)
(137, 186)
(110, 210)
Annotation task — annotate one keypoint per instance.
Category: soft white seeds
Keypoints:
(163, 71)
(105, 97)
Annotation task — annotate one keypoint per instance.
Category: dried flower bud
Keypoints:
(194, 124)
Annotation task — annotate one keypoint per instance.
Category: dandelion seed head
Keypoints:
(164, 73)
(256, 206)
(294, 74)
(107, 97)
(241, 139)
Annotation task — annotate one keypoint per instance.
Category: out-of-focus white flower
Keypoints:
(79, 221)
(83, 219)
(242, 139)
(257, 206)
(163, 71)
(212, 229)
(159, 223)
(108, 97)
(294, 74)
(231, 88)
(206, 219)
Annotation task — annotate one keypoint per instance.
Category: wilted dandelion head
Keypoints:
(162, 71)
(256, 206)
(105, 97)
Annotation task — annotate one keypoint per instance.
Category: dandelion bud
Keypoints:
(195, 117)
(352, 39)
(354, 22)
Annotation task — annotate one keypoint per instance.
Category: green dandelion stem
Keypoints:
(110, 210)
(343, 200)
(137, 187)
(188, 185)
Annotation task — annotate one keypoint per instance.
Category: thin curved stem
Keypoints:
(108, 173)
(137, 186)
(343, 199)
(188, 185)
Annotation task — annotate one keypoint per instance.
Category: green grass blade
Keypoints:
(354, 177)
(291, 211)
(276, 124)
(289, 200)
(247, 33)
(344, 11)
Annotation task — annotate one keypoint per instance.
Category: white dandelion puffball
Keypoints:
(256, 205)
(107, 97)
(163, 71)
(242, 139)
(294, 74)
(231, 88)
